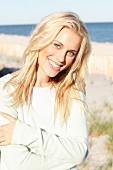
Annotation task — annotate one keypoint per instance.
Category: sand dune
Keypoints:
(101, 59)
(12, 45)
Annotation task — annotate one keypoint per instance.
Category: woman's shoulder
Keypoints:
(3, 81)
(7, 73)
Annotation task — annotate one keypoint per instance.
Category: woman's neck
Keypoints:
(42, 84)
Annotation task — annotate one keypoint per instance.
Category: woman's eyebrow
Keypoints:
(59, 42)
(63, 45)
(73, 50)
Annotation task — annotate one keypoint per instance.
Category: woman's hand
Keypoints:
(6, 131)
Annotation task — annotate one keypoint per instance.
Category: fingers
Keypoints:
(3, 140)
(2, 134)
(3, 127)
(3, 143)
(6, 131)
(7, 116)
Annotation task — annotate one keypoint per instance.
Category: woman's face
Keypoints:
(60, 54)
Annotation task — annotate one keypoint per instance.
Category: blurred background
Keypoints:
(17, 21)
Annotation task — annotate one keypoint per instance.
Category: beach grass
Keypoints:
(110, 141)
(100, 129)
(97, 127)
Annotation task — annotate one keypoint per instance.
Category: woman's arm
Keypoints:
(63, 150)
(71, 149)
(26, 159)
(18, 157)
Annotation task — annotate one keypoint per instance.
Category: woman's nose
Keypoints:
(61, 56)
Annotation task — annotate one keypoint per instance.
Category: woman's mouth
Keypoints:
(53, 65)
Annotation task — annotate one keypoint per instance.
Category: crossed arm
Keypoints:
(34, 148)
(39, 148)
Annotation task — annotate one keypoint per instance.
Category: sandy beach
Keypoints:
(99, 82)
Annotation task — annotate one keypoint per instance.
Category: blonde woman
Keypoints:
(43, 102)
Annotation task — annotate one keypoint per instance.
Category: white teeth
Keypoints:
(55, 65)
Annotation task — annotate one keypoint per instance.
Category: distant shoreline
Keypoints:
(98, 31)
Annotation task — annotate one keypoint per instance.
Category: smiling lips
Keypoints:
(54, 66)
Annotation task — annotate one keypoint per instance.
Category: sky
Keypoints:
(32, 11)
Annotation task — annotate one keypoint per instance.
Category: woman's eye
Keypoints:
(57, 45)
(71, 53)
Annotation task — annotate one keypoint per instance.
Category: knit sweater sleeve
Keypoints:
(69, 149)
(50, 150)
(5, 98)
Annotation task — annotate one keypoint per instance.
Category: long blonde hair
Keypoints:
(70, 81)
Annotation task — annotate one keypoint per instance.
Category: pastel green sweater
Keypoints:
(38, 143)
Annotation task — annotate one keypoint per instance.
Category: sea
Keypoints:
(99, 32)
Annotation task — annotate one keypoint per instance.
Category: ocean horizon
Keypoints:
(99, 32)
